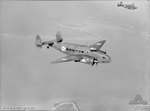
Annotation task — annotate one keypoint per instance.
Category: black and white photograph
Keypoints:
(67, 55)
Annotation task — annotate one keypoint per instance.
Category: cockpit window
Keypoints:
(104, 57)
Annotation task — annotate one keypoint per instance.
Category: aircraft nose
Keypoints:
(109, 59)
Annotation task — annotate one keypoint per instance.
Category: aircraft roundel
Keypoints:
(63, 48)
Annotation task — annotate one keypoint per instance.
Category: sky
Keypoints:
(29, 79)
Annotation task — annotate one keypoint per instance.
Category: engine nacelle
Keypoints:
(88, 60)
(92, 49)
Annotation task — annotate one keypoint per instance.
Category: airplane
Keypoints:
(128, 6)
(75, 52)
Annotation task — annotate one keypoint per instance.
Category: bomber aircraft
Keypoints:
(75, 52)
(128, 6)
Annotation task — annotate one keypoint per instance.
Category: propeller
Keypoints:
(94, 62)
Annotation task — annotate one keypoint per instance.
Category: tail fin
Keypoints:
(59, 37)
(120, 4)
(38, 41)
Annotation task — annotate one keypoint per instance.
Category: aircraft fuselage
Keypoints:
(78, 50)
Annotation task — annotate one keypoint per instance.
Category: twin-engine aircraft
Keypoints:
(75, 52)
(128, 6)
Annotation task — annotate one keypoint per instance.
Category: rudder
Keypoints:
(59, 37)
(38, 41)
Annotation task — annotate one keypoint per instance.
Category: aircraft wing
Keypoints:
(97, 45)
(68, 59)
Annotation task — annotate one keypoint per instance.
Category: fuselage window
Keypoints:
(81, 51)
(71, 50)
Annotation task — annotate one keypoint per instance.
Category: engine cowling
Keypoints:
(88, 60)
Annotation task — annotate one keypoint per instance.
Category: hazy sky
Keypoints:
(29, 79)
